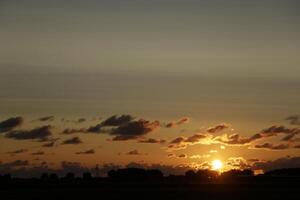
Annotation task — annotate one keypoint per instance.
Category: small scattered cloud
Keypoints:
(69, 131)
(117, 120)
(13, 165)
(46, 118)
(151, 141)
(80, 120)
(10, 124)
(181, 121)
(200, 156)
(134, 153)
(293, 119)
(41, 133)
(183, 142)
(170, 155)
(90, 151)
(134, 130)
(272, 146)
(182, 156)
(218, 128)
(38, 153)
(51, 143)
(238, 163)
(73, 140)
(18, 151)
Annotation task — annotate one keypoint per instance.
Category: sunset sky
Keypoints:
(161, 82)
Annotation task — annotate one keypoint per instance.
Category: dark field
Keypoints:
(256, 188)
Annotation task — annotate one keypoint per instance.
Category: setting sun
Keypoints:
(217, 165)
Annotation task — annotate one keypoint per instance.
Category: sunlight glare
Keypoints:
(217, 165)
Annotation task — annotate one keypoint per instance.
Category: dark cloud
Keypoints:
(122, 127)
(134, 130)
(294, 119)
(112, 121)
(273, 130)
(40, 133)
(51, 143)
(117, 120)
(80, 120)
(177, 123)
(90, 151)
(47, 118)
(69, 131)
(19, 151)
(236, 139)
(183, 142)
(289, 137)
(218, 128)
(73, 140)
(10, 124)
(286, 162)
(182, 156)
(76, 121)
(38, 153)
(151, 141)
(135, 153)
(272, 146)
(12, 165)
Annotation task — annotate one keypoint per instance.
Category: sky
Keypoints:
(184, 82)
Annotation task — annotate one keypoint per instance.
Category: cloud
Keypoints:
(294, 119)
(47, 118)
(151, 141)
(272, 147)
(286, 162)
(38, 153)
(117, 120)
(73, 140)
(182, 156)
(90, 151)
(69, 131)
(181, 121)
(274, 130)
(289, 137)
(122, 128)
(40, 133)
(238, 163)
(13, 164)
(109, 122)
(200, 156)
(135, 153)
(51, 143)
(19, 151)
(134, 130)
(10, 124)
(218, 128)
(235, 139)
(80, 120)
(183, 142)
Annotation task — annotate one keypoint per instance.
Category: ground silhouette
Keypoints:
(137, 183)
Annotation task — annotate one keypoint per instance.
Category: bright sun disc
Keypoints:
(217, 165)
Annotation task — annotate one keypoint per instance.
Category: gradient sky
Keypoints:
(214, 61)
